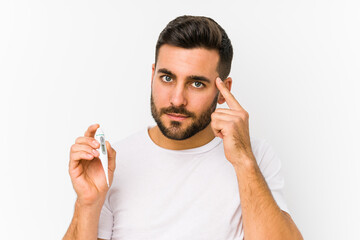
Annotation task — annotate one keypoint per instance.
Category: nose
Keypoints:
(178, 96)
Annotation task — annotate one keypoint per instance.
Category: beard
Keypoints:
(174, 131)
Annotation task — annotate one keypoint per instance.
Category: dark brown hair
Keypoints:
(198, 32)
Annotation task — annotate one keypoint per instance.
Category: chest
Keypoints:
(162, 199)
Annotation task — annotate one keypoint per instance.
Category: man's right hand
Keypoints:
(86, 171)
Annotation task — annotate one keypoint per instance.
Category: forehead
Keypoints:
(193, 61)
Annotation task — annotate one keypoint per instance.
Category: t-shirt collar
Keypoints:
(204, 148)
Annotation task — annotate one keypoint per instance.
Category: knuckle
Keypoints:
(78, 139)
(73, 156)
(90, 140)
(246, 114)
(73, 148)
(214, 115)
(212, 122)
(85, 155)
(242, 116)
(232, 124)
(238, 120)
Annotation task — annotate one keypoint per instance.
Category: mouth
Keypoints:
(177, 117)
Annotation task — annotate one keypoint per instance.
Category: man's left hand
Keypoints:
(232, 125)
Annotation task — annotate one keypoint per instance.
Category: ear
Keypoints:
(152, 73)
(228, 83)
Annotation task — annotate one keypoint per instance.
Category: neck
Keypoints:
(201, 138)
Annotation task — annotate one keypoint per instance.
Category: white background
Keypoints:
(65, 65)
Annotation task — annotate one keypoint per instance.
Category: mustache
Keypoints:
(176, 110)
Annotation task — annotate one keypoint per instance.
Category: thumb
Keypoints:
(111, 157)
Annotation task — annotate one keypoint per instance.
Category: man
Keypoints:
(196, 174)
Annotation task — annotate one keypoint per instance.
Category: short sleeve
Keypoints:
(270, 166)
(106, 221)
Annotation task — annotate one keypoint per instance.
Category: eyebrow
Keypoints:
(191, 77)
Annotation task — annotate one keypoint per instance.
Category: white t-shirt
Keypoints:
(163, 194)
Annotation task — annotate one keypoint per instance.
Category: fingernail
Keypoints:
(218, 79)
(95, 143)
(94, 151)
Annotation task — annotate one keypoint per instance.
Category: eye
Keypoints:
(198, 84)
(166, 78)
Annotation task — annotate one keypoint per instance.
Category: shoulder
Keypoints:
(259, 146)
(132, 141)
(263, 152)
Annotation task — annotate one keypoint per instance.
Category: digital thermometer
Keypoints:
(100, 137)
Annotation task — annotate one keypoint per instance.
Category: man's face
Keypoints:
(183, 90)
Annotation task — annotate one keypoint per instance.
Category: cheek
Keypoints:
(159, 94)
(201, 103)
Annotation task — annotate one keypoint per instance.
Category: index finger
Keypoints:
(229, 98)
(90, 132)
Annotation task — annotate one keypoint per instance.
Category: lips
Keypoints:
(177, 117)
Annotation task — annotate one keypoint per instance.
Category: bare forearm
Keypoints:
(262, 218)
(84, 224)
